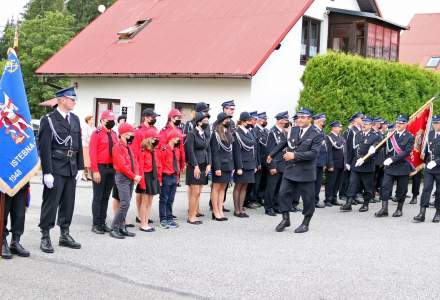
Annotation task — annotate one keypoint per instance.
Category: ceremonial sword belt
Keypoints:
(68, 153)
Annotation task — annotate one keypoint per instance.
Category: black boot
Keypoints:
(364, 206)
(421, 216)
(398, 213)
(383, 212)
(413, 200)
(116, 233)
(17, 248)
(304, 227)
(6, 253)
(284, 223)
(46, 244)
(436, 218)
(67, 241)
(347, 206)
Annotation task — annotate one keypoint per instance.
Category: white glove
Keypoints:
(347, 166)
(79, 175)
(48, 180)
(359, 162)
(431, 165)
(388, 161)
(372, 150)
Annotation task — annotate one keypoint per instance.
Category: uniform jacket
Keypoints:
(197, 148)
(261, 135)
(363, 142)
(99, 148)
(53, 155)
(322, 160)
(276, 136)
(222, 155)
(380, 154)
(335, 153)
(164, 141)
(349, 137)
(432, 152)
(400, 165)
(123, 161)
(245, 158)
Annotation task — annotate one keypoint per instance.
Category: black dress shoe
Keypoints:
(224, 219)
(66, 240)
(346, 207)
(17, 249)
(328, 204)
(194, 222)
(295, 209)
(363, 208)
(6, 252)
(217, 219)
(125, 232)
(138, 220)
(271, 212)
(174, 217)
(413, 200)
(319, 205)
(150, 221)
(97, 229)
(302, 228)
(116, 233)
(105, 228)
(241, 215)
(46, 244)
(285, 222)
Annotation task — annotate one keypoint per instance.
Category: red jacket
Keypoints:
(122, 161)
(146, 163)
(166, 134)
(99, 148)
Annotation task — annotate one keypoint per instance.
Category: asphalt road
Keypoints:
(343, 256)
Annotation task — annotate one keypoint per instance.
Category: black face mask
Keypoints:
(177, 122)
(286, 125)
(227, 124)
(249, 126)
(264, 124)
(152, 122)
(204, 125)
(177, 144)
(129, 140)
(110, 124)
(155, 143)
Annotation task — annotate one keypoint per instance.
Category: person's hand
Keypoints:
(239, 172)
(330, 169)
(97, 177)
(197, 172)
(273, 171)
(269, 159)
(79, 175)
(218, 173)
(432, 164)
(347, 167)
(137, 179)
(48, 180)
(259, 168)
(387, 161)
(289, 156)
(324, 168)
(372, 150)
(208, 169)
(359, 162)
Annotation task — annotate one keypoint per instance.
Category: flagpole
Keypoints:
(2, 216)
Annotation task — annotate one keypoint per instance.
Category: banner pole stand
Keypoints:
(2, 216)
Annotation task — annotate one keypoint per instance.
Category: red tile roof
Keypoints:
(422, 40)
(208, 38)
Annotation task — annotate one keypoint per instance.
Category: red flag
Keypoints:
(419, 127)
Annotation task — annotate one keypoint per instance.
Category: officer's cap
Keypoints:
(378, 120)
(367, 120)
(319, 117)
(335, 124)
(402, 119)
(68, 92)
(356, 115)
(304, 112)
(245, 116)
(202, 107)
(262, 116)
(228, 103)
(282, 115)
(436, 119)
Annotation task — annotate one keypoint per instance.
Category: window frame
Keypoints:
(303, 59)
(433, 58)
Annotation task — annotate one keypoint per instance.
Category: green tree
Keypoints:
(37, 8)
(7, 38)
(85, 11)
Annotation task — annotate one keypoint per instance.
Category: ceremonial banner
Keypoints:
(19, 159)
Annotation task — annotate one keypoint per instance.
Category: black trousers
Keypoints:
(401, 189)
(16, 207)
(253, 189)
(61, 199)
(361, 181)
(344, 183)
(318, 183)
(333, 184)
(291, 191)
(101, 194)
(378, 178)
(273, 183)
(416, 183)
(428, 185)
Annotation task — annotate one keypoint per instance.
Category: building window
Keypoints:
(433, 62)
(394, 46)
(103, 104)
(131, 32)
(186, 109)
(386, 43)
(382, 42)
(379, 42)
(309, 39)
(144, 106)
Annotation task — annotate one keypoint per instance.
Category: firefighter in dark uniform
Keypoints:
(250, 200)
(62, 165)
(396, 167)
(335, 145)
(322, 162)
(380, 157)
(277, 135)
(303, 143)
(431, 173)
(15, 207)
(362, 171)
(100, 148)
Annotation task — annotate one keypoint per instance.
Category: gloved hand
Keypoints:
(388, 161)
(372, 150)
(48, 180)
(347, 166)
(79, 175)
(359, 162)
(432, 164)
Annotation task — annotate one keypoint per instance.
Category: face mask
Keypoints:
(177, 144)
(155, 143)
(227, 124)
(204, 125)
(177, 122)
(248, 126)
(110, 124)
(286, 125)
(129, 139)
(152, 122)
(264, 124)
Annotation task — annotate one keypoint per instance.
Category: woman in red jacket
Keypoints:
(172, 165)
(151, 168)
(127, 173)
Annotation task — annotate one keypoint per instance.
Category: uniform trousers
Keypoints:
(428, 185)
(361, 181)
(125, 189)
(16, 207)
(401, 190)
(333, 184)
(101, 194)
(291, 191)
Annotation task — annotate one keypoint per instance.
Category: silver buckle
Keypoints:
(69, 153)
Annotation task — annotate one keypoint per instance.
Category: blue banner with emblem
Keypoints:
(19, 159)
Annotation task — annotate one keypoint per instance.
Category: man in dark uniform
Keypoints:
(62, 164)
(321, 166)
(362, 171)
(251, 200)
(335, 145)
(303, 143)
(15, 207)
(431, 173)
(397, 167)
(380, 157)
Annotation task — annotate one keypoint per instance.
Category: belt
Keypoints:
(106, 165)
(68, 153)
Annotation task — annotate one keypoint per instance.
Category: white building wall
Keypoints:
(276, 86)
(162, 92)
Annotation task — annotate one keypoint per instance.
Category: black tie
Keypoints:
(110, 143)
(154, 165)
(175, 166)
(300, 133)
(131, 159)
(67, 118)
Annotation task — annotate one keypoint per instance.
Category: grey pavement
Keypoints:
(344, 256)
